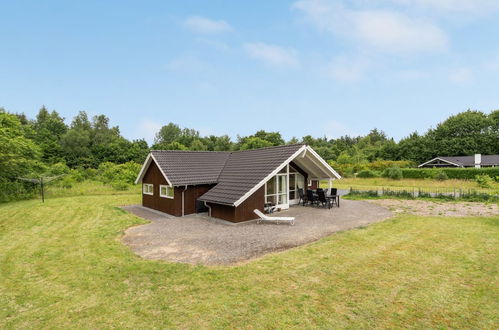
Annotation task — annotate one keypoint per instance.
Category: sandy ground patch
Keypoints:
(435, 208)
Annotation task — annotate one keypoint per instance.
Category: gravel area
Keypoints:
(448, 209)
(199, 239)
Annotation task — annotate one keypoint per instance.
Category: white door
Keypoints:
(296, 181)
(276, 191)
(282, 191)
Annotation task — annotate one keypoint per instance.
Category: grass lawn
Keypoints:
(407, 184)
(62, 265)
(88, 187)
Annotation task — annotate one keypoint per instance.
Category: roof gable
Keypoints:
(245, 170)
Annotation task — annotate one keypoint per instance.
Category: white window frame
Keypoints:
(167, 188)
(148, 191)
(276, 194)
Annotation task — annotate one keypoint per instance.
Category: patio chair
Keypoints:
(311, 198)
(335, 198)
(323, 200)
(303, 198)
(263, 217)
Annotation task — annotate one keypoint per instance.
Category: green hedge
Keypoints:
(452, 173)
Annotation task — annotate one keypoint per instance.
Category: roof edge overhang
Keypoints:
(150, 158)
(323, 163)
(441, 159)
(302, 152)
(214, 202)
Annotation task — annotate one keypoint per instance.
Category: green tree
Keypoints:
(466, 133)
(198, 145)
(255, 143)
(167, 134)
(49, 129)
(76, 143)
(18, 154)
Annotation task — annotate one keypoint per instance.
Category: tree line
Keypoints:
(33, 145)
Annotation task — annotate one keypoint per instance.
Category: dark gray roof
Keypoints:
(235, 173)
(191, 167)
(487, 160)
(245, 169)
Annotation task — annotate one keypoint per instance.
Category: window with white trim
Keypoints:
(147, 188)
(166, 191)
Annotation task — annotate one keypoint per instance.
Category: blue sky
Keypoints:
(302, 67)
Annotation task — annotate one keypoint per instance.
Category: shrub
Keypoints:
(484, 181)
(67, 182)
(367, 174)
(441, 176)
(119, 185)
(110, 173)
(58, 169)
(78, 175)
(393, 173)
(381, 165)
(90, 173)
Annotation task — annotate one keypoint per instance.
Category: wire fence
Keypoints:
(442, 193)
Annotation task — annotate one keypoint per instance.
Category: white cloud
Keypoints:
(460, 75)
(349, 70)
(492, 64)
(334, 129)
(469, 6)
(397, 33)
(272, 55)
(186, 63)
(385, 30)
(205, 25)
(148, 129)
(412, 74)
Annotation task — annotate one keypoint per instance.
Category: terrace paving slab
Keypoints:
(200, 239)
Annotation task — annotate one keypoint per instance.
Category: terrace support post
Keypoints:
(330, 184)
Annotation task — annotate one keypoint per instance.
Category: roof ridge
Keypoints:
(193, 151)
(223, 167)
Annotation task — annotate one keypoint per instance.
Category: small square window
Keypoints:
(147, 189)
(166, 191)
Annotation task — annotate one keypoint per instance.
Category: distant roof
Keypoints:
(487, 160)
(237, 174)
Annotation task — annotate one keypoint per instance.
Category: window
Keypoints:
(166, 191)
(147, 189)
(276, 190)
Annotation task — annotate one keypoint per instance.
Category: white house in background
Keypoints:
(477, 161)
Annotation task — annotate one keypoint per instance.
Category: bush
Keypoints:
(78, 175)
(393, 173)
(367, 174)
(58, 169)
(381, 165)
(110, 173)
(441, 176)
(90, 173)
(11, 190)
(484, 181)
(119, 185)
(67, 182)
